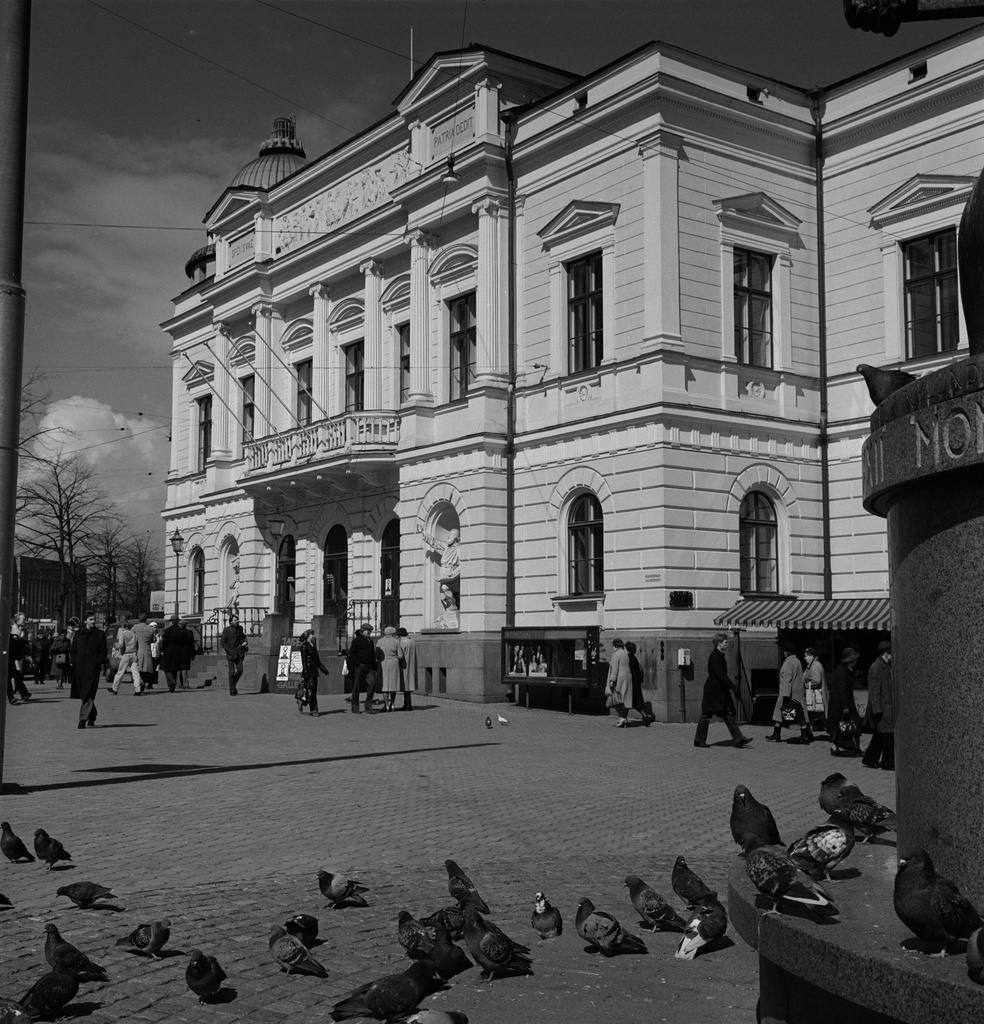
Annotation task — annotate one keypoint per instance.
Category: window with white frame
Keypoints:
(303, 372)
(753, 307)
(198, 583)
(585, 546)
(585, 313)
(758, 544)
(403, 338)
(204, 430)
(931, 297)
(355, 377)
(248, 385)
(463, 346)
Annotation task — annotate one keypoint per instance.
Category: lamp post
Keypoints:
(177, 545)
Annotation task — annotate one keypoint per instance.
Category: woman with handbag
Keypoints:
(619, 689)
(60, 660)
(792, 697)
(841, 709)
(815, 681)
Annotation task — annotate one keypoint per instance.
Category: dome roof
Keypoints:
(280, 156)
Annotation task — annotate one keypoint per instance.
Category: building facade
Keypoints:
(549, 350)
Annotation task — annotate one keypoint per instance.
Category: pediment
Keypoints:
(200, 372)
(578, 218)
(242, 351)
(397, 293)
(443, 73)
(348, 315)
(922, 193)
(233, 201)
(452, 262)
(297, 335)
(756, 210)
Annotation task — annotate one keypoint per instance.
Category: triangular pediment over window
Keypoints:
(200, 372)
(921, 194)
(756, 210)
(231, 202)
(578, 218)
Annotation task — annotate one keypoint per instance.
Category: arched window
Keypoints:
(198, 583)
(286, 579)
(758, 545)
(389, 574)
(586, 546)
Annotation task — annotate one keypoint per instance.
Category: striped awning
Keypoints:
(808, 613)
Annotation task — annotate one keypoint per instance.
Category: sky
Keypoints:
(142, 111)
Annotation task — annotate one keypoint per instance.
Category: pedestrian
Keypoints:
(792, 695)
(233, 641)
(17, 652)
(362, 666)
(815, 683)
(388, 666)
(43, 667)
(61, 658)
(311, 665)
(881, 711)
(638, 701)
(126, 644)
(717, 701)
(619, 689)
(145, 631)
(177, 650)
(89, 654)
(841, 700)
(408, 667)
(155, 652)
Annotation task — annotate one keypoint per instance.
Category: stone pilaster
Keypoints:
(320, 384)
(420, 334)
(373, 271)
(263, 364)
(490, 298)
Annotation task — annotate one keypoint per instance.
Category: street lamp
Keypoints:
(177, 545)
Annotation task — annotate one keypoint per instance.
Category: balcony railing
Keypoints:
(352, 432)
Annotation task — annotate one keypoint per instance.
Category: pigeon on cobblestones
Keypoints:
(390, 997)
(49, 850)
(869, 818)
(975, 957)
(50, 993)
(148, 938)
(488, 722)
(652, 907)
(688, 885)
(304, 926)
(292, 955)
(775, 874)
(501, 720)
(338, 890)
(204, 975)
(748, 816)
(451, 917)
(546, 919)
(463, 890)
(11, 1011)
(449, 959)
(11, 846)
(84, 894)
(414, 937)
(63, 956)
(830, 791)
(707, 924)
(492, 949)
(823, 848)
(438, 1017)
(933, 908)
(603, 933)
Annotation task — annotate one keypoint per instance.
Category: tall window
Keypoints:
(585, 333)
(335, 577)
(931, 294)
(249, 408)
(204, 431)
(586, 546)
(753, 308)
(304, 372)
(198, 583)
(403, 332)
(389, 574)
(286, 577)
(758, 545)
(355, 378)
(463, 345)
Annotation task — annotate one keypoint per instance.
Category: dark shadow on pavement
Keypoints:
(78, 1010)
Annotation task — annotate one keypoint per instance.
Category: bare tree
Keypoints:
(106, 552)
(140, 573)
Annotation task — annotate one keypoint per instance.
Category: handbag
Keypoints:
(60, 659)
(791, 712)
(344, 666)
(814, 700)
(847, 728)
(613, 700)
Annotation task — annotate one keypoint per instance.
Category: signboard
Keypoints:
(290, 668)
(452, 133)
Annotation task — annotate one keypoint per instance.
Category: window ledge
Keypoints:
(577, 602)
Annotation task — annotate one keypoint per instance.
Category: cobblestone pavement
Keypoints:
(217, 812)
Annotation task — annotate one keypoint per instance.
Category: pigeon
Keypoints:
(292, 955)
(391, 996)
(204, 975)
(49, 850)
(830, 791)
(304, 926)
(492, 949)
(11, 846)
(823, 848)
(488, 722)
(748, 816)
(450, 917)
(707, 924)
(448, 958)
(50, 993)
(502, 721)
(868, 817)
(975, 957)
(148, 938)
(546, 919)
(882, 383)
(461, 888)
(603, 932)
(414, 937)
(338, 890)
(773, 872)
(658, 915)
(84, 894)
(932, 907)
(63, 956)
(11, 1012)
(688, 885)
(438, 1017)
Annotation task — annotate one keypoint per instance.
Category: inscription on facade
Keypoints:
(241, 250)
(451, 133)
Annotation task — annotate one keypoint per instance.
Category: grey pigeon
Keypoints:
(492, 949)
(463, 890)
(49, 850)
(11, 1011)
(414, 937)
(50, 993)
(438, 1017)
(688, 885)
(488, 722)
(882, 383)
(933, 908)
(339, 890)
(63, 956)
(603, 933)
(776, 875)
(204, 975)
(84, 894)
(449, 959)
(823, 848)
(868, 817)
(11, 846)
(975, 957)
(391, 996)
(292, 955)
(304, 926)
(708, 923)
(749, 817)
(451, 918)
(830, 791)
(148, 938)
(652, 907)
(546, 919)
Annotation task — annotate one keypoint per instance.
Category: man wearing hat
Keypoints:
(177, 652)
(792, 691)
(841, 704)
(881, 711)
(362, 666)
(388, 659)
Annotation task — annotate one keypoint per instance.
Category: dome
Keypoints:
(280, 156)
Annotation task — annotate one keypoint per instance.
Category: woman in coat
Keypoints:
(61, 658)
(89, 654)
(311, 665)
(791, 688)
(408, 667)
(841, 691)
(638, 700)
(177, 650)
(620, 682)
(388, 654)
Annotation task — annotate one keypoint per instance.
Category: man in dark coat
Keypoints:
(717, 697)
(233, 642)
(881, 711)
(362, 666)
(841, 691)
(311, 665)
(89, 654)
(177, 650)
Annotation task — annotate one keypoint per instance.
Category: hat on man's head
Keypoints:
(402, 631)
(789, 647)
(175, 618)
(848, 653)
(885, 645)
(366, 627)
(389, 631)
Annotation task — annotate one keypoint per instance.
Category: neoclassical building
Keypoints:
(542, 350)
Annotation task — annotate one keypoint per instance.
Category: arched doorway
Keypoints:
(389, 575)
(334, 576)
(286, 577)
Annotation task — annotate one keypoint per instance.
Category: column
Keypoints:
(320, 381)
(221, 416)
(178, 398)
(373, 334)
(420, 340)
(490, 305)
(262, 364)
